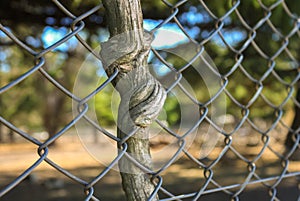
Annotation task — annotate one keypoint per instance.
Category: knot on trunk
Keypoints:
(142, 96)
(126, 51)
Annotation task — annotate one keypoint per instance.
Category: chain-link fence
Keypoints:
(252, 145)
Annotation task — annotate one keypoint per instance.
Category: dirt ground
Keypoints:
(182, 177)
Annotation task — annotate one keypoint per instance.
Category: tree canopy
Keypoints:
(29, 20)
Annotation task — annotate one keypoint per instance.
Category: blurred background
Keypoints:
(253, 47)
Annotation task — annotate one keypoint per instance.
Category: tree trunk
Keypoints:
(1, 133)
(1, 125)
(53, 113)
(142, 96)
(289, 141)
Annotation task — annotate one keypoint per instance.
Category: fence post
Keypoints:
(142, 96)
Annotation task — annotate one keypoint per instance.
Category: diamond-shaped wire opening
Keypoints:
(248, 143)
(276, 24)
(185, 171)
(256, 69)
(247, 9)
(270, 164)
(275, 93)
(238, 169)
(228, 123)
(271, 115)
(242, 88)
(271, 49)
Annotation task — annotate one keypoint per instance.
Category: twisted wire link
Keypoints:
(243, 116)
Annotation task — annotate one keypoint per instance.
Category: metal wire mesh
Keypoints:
(241, 108)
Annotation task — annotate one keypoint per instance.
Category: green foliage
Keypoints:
(106, 103)
(172, 110)
(17, 104)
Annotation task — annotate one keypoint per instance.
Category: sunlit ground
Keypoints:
(183, 177)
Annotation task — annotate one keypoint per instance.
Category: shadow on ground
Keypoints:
(49, 185)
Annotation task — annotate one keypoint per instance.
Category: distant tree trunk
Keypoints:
(53, 113)
(1, 125)
(11, 136)
(289, 141)
(1, 133)
(142, 96)
(55, 107)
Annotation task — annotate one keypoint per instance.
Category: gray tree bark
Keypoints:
(142, 96)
